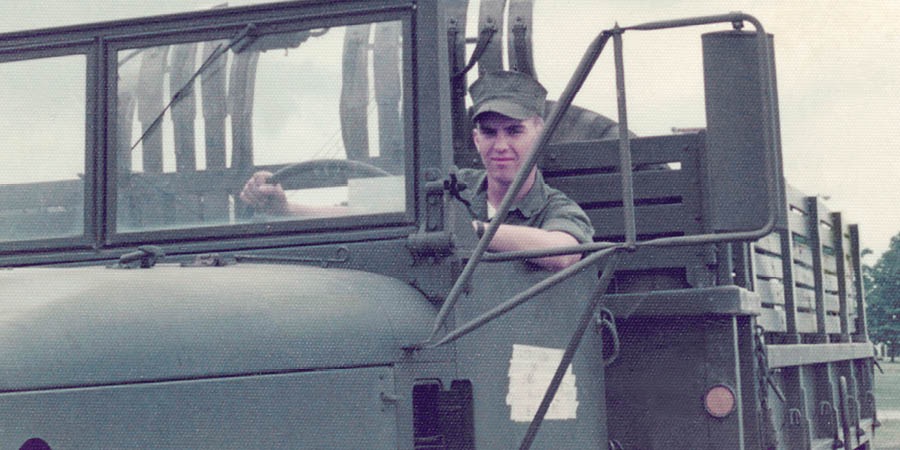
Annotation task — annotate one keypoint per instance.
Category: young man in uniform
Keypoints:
(507, 111)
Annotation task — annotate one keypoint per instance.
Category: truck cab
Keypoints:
(145, 305)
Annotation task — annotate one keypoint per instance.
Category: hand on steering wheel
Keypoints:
(264, 196)
(264, 193)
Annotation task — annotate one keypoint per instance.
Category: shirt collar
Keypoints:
(530, 204)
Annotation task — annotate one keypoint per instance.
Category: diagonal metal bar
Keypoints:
(569, 354)
(522, 297)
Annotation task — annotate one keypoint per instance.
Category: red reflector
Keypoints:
(719, 401)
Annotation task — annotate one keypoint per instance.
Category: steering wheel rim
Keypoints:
(330, 167)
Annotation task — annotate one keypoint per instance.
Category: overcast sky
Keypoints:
(836, 64)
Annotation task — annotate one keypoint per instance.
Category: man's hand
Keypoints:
(263, 196)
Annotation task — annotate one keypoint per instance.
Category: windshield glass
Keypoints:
(42, 152)
(294, 126)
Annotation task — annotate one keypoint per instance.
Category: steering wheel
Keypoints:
(324, 172)
(319, 173)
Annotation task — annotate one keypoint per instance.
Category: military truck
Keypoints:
(145, 306)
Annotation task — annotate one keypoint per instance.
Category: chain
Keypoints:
(767, 425)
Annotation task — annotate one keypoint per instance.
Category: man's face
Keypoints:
(505, 143)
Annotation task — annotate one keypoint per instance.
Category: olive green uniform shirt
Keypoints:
(542, 207)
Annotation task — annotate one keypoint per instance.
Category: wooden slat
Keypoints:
(649, 257)
(154, 63)
(41, 210)
(826, 232)
(841, 269)
(796, 199)
(805, 298)
(213, 91)
(40, 195)
(804, 276)
(188, 208)
(806, 322)
(125, 108)
(832, 325)
(829, 264)
(830, 283)
(799, 223)
(860, 306)
(215, 109)
(184, 111)
(354, 103)
(41, 224)
(768, 266)
(561, 157)
(771, 243)
(653, 220)
(771, 292)
(388, 90)
(648, 185)
(241, 88)
(803, 253)
(772, 320)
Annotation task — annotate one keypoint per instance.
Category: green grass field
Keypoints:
(887, 397)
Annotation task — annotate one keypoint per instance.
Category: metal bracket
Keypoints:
(145, 257)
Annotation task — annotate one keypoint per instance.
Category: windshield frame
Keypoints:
(99, 44)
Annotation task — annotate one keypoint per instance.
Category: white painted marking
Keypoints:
(530, 371)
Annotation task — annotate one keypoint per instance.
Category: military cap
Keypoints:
(513, 94)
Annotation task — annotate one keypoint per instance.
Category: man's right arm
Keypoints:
(510, 238)
(268, 198)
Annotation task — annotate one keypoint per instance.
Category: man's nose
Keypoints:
(501, 142)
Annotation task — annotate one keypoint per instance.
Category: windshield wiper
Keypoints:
(245, 34)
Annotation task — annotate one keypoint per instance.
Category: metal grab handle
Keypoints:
(605, 320)
(578, 78)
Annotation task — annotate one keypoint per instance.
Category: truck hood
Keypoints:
(91, 326)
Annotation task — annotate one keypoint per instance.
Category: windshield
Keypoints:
(311, 110)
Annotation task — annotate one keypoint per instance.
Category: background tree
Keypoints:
(883, 297)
